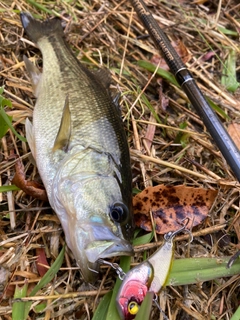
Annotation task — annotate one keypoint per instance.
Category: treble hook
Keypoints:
(121, 274)
(93, 270)
(170, 235)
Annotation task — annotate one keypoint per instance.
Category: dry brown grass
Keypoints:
(108, 33)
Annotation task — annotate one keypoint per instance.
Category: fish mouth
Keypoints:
(106, 244)
(105, 249)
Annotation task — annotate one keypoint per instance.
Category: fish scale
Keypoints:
(81, 150)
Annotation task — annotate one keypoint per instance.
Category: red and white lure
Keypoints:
(150, 275)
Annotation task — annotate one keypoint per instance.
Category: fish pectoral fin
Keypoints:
(30, 137)
(34, 73)
(64, 132)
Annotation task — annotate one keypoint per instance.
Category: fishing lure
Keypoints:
(150, 275)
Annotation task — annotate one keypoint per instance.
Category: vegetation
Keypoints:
(168, 141)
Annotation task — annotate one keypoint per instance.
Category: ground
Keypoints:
(160, 123)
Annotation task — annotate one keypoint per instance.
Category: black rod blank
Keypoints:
(188, 84)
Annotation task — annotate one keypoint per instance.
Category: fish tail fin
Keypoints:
(36, 29)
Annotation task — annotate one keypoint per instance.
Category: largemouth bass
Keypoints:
(79, 144)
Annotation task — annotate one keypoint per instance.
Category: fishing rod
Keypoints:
(188, 84)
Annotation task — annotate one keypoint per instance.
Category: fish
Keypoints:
(78, 141)
(149, 276)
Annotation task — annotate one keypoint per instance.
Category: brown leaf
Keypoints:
(170, 205)
(151, 128)
(31, 188)
(199, 2)
(41, 260)
(207, 56)
(4, 278)
(234, 132)
(237, 228)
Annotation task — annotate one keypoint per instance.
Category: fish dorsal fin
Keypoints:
(104, 77)
(64, 132)
(30, 137)
(34, 74)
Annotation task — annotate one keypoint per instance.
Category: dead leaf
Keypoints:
(170, 205)
(234, 132)
(41, 261)
(4, 275)
(237, 228)
(151, 128)
(199, 2)
(31, 188)
(207, 56)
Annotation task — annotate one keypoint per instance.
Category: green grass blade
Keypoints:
(228, 32)
(125, 265)
(145, 309)
(112, 310)
(147, 238)
(18, 307)
(160, 72)
(39, 6)
(150, 107)
(11, 187)
(215, 107)
(102, 309)
(49, 275)
(39, 308)
(5, 120)
(183, 272)
(236, 315)
(5, 117)
(194, 270)
(4, 126)
(229, 72)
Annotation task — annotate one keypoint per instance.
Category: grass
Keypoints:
(109, 34)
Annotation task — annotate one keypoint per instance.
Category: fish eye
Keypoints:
(119, 212)
(133, 307)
